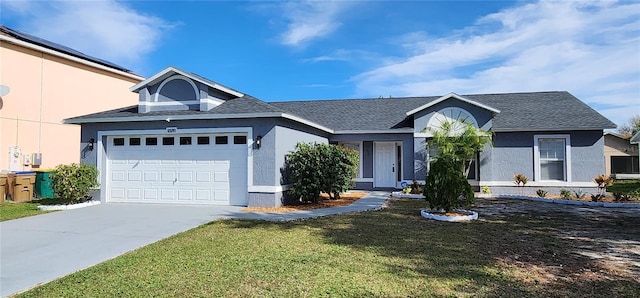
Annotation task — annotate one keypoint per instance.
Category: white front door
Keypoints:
(384, 164)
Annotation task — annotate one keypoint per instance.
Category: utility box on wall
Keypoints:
(36, 160)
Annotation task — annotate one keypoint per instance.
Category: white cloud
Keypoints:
(108, 30)
(308, 20)
(590, 49)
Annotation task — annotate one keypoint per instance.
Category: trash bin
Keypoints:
(3, 186)
(44, 187)
(21, 185)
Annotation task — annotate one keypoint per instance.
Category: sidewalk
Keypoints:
(374, 200)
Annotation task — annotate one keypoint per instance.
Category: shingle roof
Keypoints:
(534, 111)
(238, 106)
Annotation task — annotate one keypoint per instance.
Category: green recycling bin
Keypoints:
(44, 187)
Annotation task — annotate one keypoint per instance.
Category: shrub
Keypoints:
(446, 186)
(541, 193)
(565, 194)
(620, 197)
(597, 197)
(72, 183)
(603, 182)
(314, 168)
(579, 194)
(485, 189)
(520, 179)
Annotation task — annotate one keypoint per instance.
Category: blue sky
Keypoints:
(277, 50)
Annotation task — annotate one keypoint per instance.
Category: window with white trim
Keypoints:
(358, 148)
(552, 155)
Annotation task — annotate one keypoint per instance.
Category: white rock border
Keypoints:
(401, 195)
(426, 213)
(67, 207)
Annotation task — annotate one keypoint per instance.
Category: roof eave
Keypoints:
(170, 118)
(39, 48)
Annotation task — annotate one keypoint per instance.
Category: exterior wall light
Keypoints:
(258, 142)
(92, 141)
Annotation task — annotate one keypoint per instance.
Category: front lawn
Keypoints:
(10, 210)
(393, 252)
(624, 186)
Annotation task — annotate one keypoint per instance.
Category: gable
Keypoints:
(175, 90)
(451, 109)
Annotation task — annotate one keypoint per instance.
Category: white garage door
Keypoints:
(194, 168)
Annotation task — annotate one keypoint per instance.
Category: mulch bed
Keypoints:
(323, 202)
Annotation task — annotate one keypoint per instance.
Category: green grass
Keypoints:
(11, 210)
(392, 252)
(624, 186)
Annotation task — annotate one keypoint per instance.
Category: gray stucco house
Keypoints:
(192, 140)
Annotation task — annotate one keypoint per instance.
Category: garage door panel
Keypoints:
(117, 193)
(185, 177)
(150, 194)
(203, 195)
(185, 194)
(118, 176)
(167, 194)
(203, 177)
(134, 176)
(134, 194)
(151, 176)
(167, 176)
(221, 177)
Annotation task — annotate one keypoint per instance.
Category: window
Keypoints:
(118, 141)
(134, 142)
(168, 141)
(552, 157)
(239, 140)
(185, 140)
(358, 148)
(203, 140)
(151, 141)
(222, 140)
(624, 165)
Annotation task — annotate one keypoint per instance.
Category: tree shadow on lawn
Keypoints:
(516, 248)
(513, 251)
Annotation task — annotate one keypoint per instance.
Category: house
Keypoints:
(621, 157)
(635, 139)
(43, 83)
(192, 140)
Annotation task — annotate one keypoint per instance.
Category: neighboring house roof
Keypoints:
(617, 135)
(171, 70)
(535, 111)
(15, 36)
(636, 138)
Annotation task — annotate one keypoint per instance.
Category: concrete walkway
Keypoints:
(39, 249)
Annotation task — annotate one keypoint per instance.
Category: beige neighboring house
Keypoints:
(621, 156)
(43, 83)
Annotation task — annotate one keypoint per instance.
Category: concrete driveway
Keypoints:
(38, 249)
